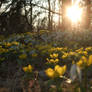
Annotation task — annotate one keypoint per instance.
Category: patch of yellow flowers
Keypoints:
(7, 44)
(58, 49)
(27, 68)
(54, 55)
(15, 43)
(53, 58)
(85, 62)
(56, 72)
(88, 49)
(76, 53)
(65, 55)
(82, 51)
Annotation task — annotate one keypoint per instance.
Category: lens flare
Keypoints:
(74, 13)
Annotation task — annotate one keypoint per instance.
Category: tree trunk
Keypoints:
(49, 16)
(88, 2)
(59, 24)
(31, 13)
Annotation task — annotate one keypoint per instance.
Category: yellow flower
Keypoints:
(77, 50)
(84, 59)
(81, 48)
(80, 63)
(27, 68)
(56, 67)
(56, 60)
(64, 68)
(88, 48)
(23, 56)
(65, 55)
(50, 72)
(56, 72)
(90, 60)
(51, 60)
(47, 59)
(85, 52)
(60, 70)
(80, 52)
(7, 44)
(15, 43)
(58, 48)
(53, 55)
(72, 53)
(83, 62)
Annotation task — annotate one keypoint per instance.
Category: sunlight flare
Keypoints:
(74, 13)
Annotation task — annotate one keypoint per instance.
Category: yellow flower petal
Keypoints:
(50, 72)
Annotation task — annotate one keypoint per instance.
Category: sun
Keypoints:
(74, 13)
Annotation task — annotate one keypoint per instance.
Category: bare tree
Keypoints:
(49, 15)
(88, 12)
